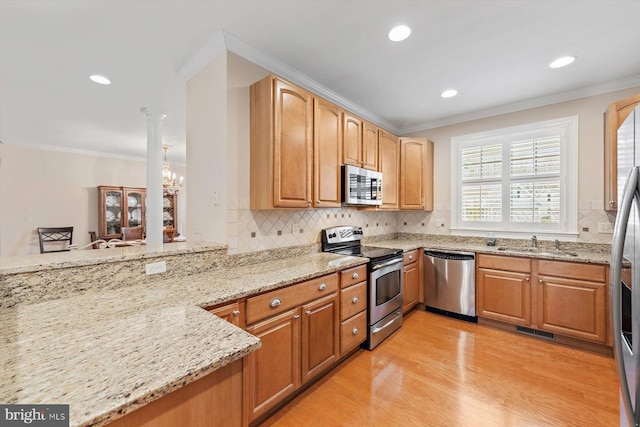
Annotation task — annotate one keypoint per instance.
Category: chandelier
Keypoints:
(170, 185)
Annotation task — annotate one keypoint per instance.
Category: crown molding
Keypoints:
(223, 40)
(211, 49)
(599, 89)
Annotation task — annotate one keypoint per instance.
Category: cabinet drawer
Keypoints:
(353, 275)
(495, 262)
(353, 332)
(280, 300)
(353, 300)
(593, 272)
(410, 257)
(231, 312)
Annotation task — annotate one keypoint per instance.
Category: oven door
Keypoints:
(386, 286)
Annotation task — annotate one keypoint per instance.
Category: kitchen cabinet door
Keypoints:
(352, 144)
(111, 204)
(575, 308)
(389, 164)
(134, 210)
(412, 281)
(416, 174)
(272, 372)
(327, 146)
(504, 296)
(369, 146)
(232, 313)
(614, 117)
(281, 149)
(320, 336)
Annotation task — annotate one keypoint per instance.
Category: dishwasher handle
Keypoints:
(454, 256)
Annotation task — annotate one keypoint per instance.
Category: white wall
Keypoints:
(206, 122)
(40, 188)
(590, 111)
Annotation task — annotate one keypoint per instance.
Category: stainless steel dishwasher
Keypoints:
(450, 283)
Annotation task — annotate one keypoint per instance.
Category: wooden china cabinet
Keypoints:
(126, 207)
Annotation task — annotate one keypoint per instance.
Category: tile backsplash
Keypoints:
(250, 231)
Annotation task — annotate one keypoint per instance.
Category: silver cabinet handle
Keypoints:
(297, 316)
(322, 287)
(355, 275)
(275, 302)
(308, 312)
(236, 313)
(355, 331)
(410, 256)
(355, 300)
(539, 280)
(526, 279)
(612, 203)
(617, 248)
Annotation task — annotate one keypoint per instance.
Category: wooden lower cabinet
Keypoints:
(232, 312)
(564, 298)
(412, 281)
(504, 296)
(353, 308)
(353, 332)
(272, 372)
(212, 401)
(320, 336)
(299, 327)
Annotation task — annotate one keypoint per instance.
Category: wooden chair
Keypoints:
(55, 239)
(132, 233)
(93, 236)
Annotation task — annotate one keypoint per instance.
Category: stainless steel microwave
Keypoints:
(361, 186)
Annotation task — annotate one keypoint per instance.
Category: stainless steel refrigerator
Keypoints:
(625, 271)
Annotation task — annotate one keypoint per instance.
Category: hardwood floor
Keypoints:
(437, 371)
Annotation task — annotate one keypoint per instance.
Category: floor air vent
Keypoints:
(535, 333)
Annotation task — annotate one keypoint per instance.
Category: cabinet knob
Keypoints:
(275, 302)
(297, 316)
(322, 286)
(309, 202)
(539, 280)
(308, 312)
(355, 300)
(317, 202)
(526, 278)
(612, 203)
(355, 331)
(355, 275)
(410, 256)
(236, 313)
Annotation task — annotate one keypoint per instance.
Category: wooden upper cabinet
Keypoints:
(327, 149)
(369, 146)
(281, 145)
(389, 165)
(352, 145)
(416, 174)
(614, 117)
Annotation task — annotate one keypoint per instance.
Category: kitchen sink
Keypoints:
(538, 251)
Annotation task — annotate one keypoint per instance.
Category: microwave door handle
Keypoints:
(632, 187)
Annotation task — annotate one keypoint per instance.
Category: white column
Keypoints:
(154, 180)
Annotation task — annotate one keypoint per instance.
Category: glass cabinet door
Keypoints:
(111, 216)
(169, 213)
(135, 208)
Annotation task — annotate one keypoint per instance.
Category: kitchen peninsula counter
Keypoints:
(106, 352)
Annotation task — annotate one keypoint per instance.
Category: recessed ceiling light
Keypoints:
(399, 33)
(100, 79)
(562, 62)
(449, 93)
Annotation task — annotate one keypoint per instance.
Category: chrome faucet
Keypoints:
(557, 245)
(534, 242)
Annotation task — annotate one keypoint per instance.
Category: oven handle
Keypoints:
(379, 328)
(386, 264)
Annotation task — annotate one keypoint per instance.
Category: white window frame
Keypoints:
(567, 229)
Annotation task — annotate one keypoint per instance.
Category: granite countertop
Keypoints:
(108, 352)
(76, 258)
(594, 254)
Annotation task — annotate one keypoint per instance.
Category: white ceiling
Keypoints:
(495, 53)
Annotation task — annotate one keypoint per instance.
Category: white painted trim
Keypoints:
(525, 105)
(214, 47)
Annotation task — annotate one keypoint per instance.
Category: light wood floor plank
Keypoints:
(437, 371)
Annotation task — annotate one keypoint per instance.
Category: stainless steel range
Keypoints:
(385, 280)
